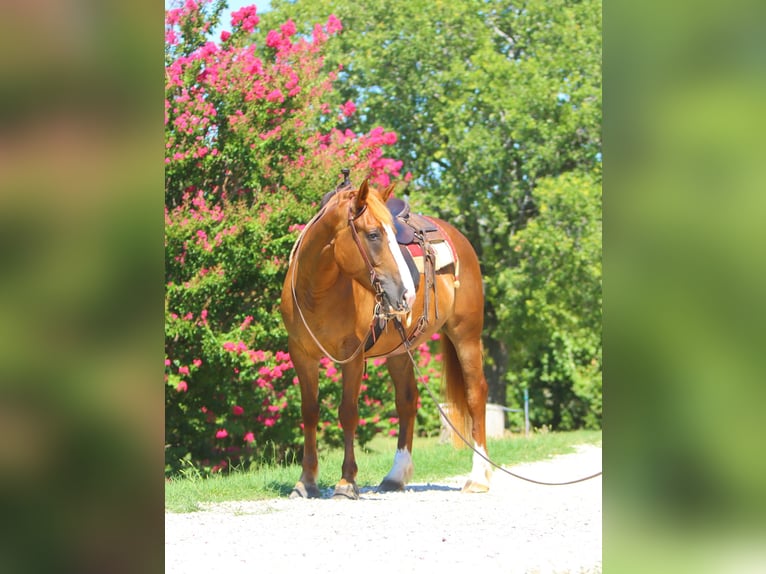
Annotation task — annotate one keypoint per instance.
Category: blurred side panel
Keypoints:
(81, 270)
(685, 277)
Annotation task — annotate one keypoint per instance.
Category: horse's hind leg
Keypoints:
(308, 375)
(402, 373)
(469, 356)
(476, 395)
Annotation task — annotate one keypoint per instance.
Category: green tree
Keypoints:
(555, 301)
(488, 99)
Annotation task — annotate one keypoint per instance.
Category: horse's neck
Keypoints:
(317, 270)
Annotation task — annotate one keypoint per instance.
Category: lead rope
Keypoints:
(457, 432)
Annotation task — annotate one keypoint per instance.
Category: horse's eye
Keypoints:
(373, 235)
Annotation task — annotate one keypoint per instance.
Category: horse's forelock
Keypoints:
(378, 209)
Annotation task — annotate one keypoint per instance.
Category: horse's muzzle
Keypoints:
(403, 304)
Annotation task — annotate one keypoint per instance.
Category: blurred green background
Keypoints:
(685, 111)
(81, 295)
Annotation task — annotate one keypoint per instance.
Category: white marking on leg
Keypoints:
(481, 470)
(402, 470)
(404, 271)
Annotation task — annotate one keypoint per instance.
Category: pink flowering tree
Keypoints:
(251, 144)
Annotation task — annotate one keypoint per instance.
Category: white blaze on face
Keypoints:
(404, 271)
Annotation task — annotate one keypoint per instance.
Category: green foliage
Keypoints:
(490, 100)
(555, 300)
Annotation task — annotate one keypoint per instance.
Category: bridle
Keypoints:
(378, 313)
(374, 281)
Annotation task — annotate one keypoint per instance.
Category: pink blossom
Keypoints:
(318, 35)
(183, 370)
(197, 363)
(182, 387)
(221, 433)
(273, 39)
(249, 437)
(269, 422)
(173, 16)
(333, 24)
(245, 17)
(288, 28)
(236, 410)
(348, 108)
(435, 337)
(257, 356)
(282, 356)
(167, 362)
(225, 35)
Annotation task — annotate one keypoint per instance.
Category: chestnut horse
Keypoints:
(346, 274)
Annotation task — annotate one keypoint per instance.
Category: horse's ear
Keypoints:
(361, 196)
(388, 192)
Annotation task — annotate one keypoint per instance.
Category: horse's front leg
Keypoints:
(308, 375)
(402, 373)
(348, 414)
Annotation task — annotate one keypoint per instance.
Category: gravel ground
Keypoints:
(517, 527)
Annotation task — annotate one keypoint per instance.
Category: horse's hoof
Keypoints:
(389, 485)
(347, 490)
(301, 490)
(475, 487)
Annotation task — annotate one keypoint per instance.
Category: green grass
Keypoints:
(433, 461)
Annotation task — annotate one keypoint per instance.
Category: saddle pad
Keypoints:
(444, 256)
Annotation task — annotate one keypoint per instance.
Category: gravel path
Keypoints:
(517, 527)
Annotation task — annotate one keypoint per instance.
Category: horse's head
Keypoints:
(365, 247)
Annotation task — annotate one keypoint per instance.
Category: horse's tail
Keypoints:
(454, 386)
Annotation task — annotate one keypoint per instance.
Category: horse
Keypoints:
(347, 275)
